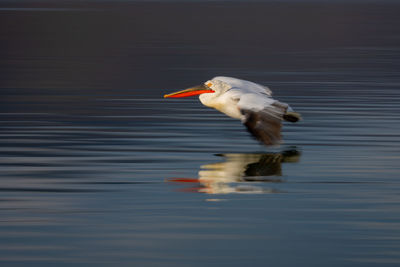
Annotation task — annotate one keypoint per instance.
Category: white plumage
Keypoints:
(250, 102)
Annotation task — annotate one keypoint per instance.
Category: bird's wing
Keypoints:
(263, 117)
(245, 85)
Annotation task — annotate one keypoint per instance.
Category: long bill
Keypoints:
(197, 90)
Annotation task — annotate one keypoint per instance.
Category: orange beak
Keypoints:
(197, 90)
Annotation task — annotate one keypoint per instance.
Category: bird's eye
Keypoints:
(209, 84)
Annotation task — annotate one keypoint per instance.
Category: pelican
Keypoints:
(247, 101)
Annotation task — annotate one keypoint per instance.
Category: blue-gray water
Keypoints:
(97, 168)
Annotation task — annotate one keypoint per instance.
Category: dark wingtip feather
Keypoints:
(292, 116)
(266, 129)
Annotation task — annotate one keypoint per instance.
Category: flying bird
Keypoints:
(250, 102)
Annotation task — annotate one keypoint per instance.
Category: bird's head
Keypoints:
(209, 89)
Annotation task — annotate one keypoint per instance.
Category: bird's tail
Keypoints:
(292, 116)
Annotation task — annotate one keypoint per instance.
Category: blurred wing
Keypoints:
(263, 126)
(245, 86)
(263, 117)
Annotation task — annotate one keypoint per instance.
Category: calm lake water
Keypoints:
(98, 168)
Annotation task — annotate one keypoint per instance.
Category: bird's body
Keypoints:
(232, 95)
(250, 102)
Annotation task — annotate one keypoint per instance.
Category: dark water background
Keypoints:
(97, 168)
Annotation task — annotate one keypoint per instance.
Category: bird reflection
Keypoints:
(239, 173)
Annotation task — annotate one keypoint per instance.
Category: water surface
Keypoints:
(97, 168)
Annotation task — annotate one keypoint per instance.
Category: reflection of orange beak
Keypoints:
(197, 90)
(203, 188)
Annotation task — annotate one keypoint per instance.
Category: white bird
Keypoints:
(250, 102)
